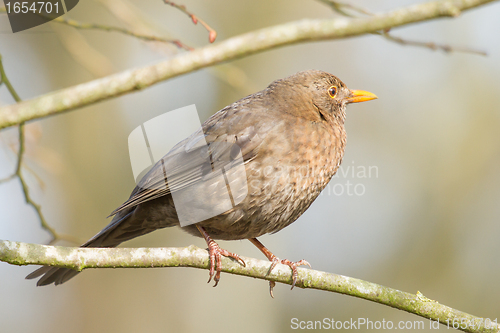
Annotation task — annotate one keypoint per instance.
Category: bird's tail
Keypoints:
(111, 236)
(54, 275)
(58, 275)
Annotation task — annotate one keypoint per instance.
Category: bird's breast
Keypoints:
(290, 170)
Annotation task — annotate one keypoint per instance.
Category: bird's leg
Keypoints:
(215, 254)
(274, 260)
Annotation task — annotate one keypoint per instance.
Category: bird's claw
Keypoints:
(215, 254)
(272, 284)
(292, 265)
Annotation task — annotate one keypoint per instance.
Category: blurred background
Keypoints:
(425, 219)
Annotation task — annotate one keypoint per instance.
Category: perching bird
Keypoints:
(291, 139)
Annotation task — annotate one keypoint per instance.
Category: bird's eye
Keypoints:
(332, 91)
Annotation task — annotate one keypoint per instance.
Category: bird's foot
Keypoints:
(274, 260)
(215, 254)
(292, 265)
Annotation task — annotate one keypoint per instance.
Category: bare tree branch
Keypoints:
(431, 45)
(18, 253)
(93, 26)
(18, 171)
(340, 7)
(133, 17)
(212, 34)
(103, 27)
(130, 15)
(232, 48)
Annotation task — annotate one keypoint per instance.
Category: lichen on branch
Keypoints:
(77, 258)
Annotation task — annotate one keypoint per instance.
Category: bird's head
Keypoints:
(317, 95)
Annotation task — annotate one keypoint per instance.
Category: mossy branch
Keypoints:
(77, 258)
(232, 48)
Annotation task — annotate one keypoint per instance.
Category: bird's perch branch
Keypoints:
(18, 253)
(232, 48)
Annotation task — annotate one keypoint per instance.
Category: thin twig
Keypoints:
(78, 25)
(94, 26)
(212, 34)
(340, 7)
(5, 80)
(133, 17)
(18, 170)
(13, 93)
(17, 253)
(431, 45)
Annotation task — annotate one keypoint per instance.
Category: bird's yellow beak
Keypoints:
(361, 96)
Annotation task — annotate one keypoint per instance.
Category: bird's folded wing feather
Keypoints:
(193, 159)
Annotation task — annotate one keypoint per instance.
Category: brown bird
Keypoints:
(291, 139)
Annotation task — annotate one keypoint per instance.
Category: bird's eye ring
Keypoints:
(332, 91)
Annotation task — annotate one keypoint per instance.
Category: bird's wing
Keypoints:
(194, 158)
